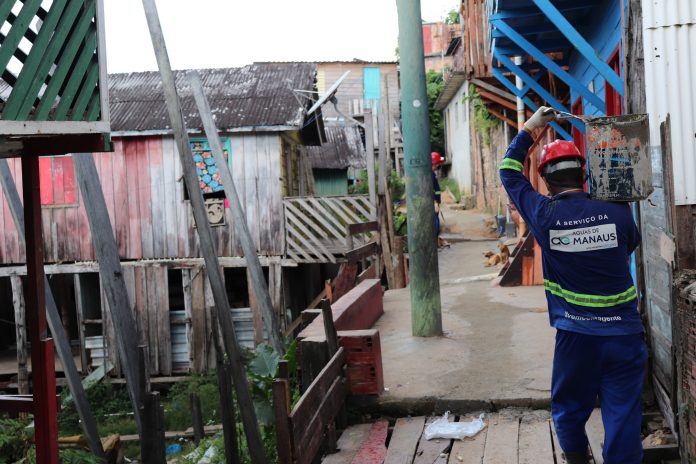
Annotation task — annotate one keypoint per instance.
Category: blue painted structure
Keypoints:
(584, 33)
(371, 86)
(573, 40)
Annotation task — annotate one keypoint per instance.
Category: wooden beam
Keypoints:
(62, 345)
(21, 332)
(114, 284)
(501, 116)
(496, 99)
(263, 297)
(205, 235)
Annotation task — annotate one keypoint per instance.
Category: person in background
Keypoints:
(437, 161)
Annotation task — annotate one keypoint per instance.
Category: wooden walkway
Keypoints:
(521, 437)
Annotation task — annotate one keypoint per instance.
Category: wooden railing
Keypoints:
(321, 229)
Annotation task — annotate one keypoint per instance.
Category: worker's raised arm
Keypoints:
(527, 200)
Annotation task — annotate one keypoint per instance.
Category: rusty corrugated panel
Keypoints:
(256, 95)
(343, 149)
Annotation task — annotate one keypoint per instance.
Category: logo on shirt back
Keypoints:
(585, 239)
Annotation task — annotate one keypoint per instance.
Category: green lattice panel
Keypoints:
(49, 61)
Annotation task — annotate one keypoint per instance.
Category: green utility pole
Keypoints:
(426, 318)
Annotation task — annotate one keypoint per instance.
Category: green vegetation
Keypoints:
(453, 186)
(452, 17)
(397, 185)
(435, 84)
(483, 120)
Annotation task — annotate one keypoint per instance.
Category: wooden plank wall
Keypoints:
(142, 186)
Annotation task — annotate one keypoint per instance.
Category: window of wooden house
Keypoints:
(57, 181)
(611, 96)
(208, 172)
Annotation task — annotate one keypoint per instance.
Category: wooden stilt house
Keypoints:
(261, 113)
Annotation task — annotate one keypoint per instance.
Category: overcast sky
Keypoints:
(229, 33)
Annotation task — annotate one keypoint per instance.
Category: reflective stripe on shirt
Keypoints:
(509, 163)
(594, 301)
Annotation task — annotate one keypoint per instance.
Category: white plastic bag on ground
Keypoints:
(443, 428)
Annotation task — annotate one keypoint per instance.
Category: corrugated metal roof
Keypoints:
(257, 95)
(669, 28)
(343, 148)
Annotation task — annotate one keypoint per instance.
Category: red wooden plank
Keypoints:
(86, 248)
(45, 180)
(120, 199)
(374, 449)
(135, 249)
(157, 203)
(427, 40)
(144, 199)
(58, 187)
(18, 254)
(68, 179)
(357, 309)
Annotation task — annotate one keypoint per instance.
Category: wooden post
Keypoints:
(384, 241)
(370, 152)
(229, 421)
(281, 410)
(254, 270)
(329, 328)
(43, 373)
(114, 285)
(196, 417)
(205, 235)
(257, 318)
(21, 332)
(152, 445)
(275, 288)
(62, 345)
(382, 168)
(80, 313)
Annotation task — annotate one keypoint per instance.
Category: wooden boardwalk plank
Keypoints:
(469, 450)
(374, 448)
(595, 434)
(558, 452)
(402, 446)
(429, 451)
(535, 445)
(349, 444)
(501, 442)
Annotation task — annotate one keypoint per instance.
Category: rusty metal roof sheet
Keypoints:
(257, 96)
(343, 148)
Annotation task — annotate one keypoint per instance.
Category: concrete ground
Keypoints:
(497, 345)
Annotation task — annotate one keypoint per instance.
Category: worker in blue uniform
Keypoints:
(586, 246)
(436, 161)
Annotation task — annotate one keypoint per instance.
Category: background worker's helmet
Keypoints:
(437, 159)
(560, 154)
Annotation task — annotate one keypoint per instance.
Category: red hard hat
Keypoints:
(436, 158)
(558, 150)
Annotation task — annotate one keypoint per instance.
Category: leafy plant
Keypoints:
(14, 439)
(177, 405)
(483, 120)
(435, 84)
(262, 370)
(453, 186)
(105, 399)
(452, 17)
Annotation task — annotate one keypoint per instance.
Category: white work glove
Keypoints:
(541, 118)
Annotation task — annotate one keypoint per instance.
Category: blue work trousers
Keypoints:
(609, 367)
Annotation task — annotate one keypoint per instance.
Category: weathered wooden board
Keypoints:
(145, 201)
(404, 440)
(501, 441)
(429, 451)
(469, 450)
(557, 451)
(595, 435)
(535, 443)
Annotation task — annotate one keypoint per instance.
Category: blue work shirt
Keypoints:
(586, 248)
